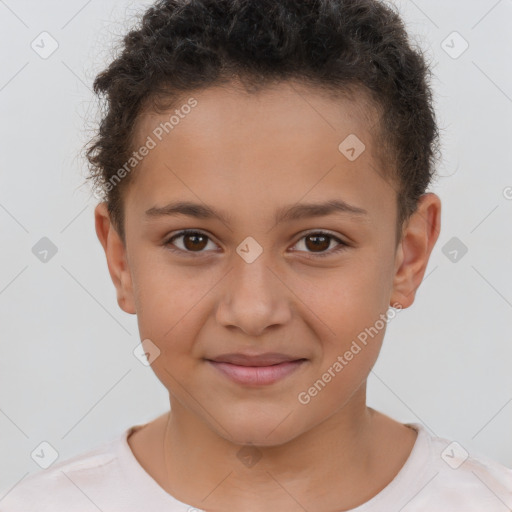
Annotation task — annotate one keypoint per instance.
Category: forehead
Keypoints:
(283, 108)
(278, 145)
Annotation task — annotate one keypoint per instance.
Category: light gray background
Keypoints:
(67, 372)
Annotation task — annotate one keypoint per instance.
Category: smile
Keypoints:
(257, 375)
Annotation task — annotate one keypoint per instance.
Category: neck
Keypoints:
(207, 470)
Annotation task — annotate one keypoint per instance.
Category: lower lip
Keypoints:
(257, 375)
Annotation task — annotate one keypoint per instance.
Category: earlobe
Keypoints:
(413, 253)
(115, 253)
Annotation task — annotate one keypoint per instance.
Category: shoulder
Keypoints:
(455, 479)
(77, 483)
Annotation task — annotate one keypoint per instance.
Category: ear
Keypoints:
(413, 252)
(117, 262)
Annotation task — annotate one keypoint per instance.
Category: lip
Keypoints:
(266, 359)
(258, 375)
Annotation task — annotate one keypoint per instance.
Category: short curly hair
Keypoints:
(338, 46)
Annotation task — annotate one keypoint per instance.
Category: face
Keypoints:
(271, 273)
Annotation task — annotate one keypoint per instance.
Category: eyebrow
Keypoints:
(286, 213)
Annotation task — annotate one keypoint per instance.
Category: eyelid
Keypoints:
(342, 244)
(183, 232)
(321, 232)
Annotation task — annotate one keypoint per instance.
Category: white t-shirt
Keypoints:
(437, 477)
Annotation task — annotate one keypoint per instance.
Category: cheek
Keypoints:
(167, 305)
(350, 298)
(165, 294)
(353, 302)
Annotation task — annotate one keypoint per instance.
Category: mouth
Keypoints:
(256, 370)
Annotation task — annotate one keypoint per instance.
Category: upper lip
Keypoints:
(266, 359)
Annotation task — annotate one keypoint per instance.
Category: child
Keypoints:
(293, 142)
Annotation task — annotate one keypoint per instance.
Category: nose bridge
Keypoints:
(253, 296)
(252, 276)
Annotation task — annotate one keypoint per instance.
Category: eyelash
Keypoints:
(341, 247)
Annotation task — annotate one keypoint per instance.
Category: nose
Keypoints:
(254, 297)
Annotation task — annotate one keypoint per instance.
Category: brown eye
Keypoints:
(318, 243)
(194, 241)
(191, 242)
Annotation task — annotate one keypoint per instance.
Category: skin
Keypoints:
(249, 155)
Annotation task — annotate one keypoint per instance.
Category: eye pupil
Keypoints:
(194, 236)
(323, 244)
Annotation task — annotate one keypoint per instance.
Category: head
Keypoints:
(299, 140)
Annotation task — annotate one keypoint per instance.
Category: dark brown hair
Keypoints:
(339, 46)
